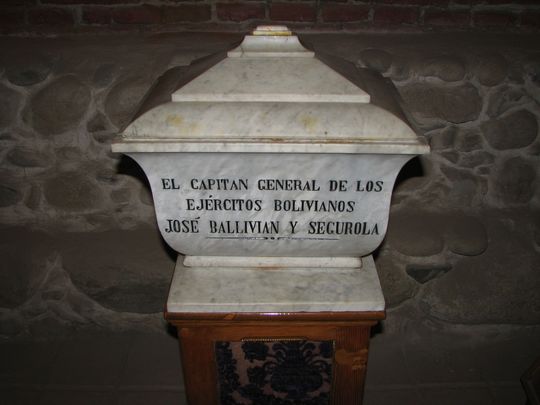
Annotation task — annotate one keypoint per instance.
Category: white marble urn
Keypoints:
(271, 156)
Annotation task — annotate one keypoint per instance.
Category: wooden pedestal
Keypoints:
(275, 336)
(203, 336)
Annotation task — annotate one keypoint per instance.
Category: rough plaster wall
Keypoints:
(79, 245)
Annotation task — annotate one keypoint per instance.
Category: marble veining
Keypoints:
(284, 80)
(316, 205)
(271, 67)
(198, 289)
(272, 262)
(347, 125)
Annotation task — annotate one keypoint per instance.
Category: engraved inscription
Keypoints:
(271, 208)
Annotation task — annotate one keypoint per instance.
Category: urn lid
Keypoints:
(271, 94)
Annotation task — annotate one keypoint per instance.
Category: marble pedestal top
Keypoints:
(203, 289)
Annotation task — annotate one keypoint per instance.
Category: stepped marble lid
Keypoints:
(270, 94)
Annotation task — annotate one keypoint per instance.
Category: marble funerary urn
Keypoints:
(268, 156)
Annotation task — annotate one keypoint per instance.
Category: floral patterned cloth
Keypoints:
(286, 372)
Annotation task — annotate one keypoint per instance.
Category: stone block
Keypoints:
(107, 176)
(465, 235)
(451, 156)
(396, 285)
(105, 137)
(513, 182)
(491, 69)
(29, 69)
(73, 191)
(447, 68)
(34, 307)
(59, 106)
(376, 59)
(408, 188)
(28, 156)
(454, 104)
(145, 195)
(417, 175)
(7, 138)
(469, 140)
(427, 240)
(466, 188)
(121, 196)
(9, 105)
(499, 286)
(104, 74)
(515, 130)
(97, 123)
(401, 70)
(443, 139)
(9, 195)
(33, 198)
(503, 99)
(476, 159)
(100, 221)
(124, 98)
(483, 170)
(69, 158)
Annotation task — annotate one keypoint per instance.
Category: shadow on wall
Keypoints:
(413, 169)
(128, 167)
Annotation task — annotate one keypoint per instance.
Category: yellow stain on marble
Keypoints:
(175, 120)
(310, 123)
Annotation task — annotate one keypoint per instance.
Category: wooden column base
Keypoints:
(303, 356)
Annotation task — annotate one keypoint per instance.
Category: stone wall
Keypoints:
(54, 16)
(78, 240)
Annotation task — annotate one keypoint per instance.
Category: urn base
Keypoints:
(273, 262)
